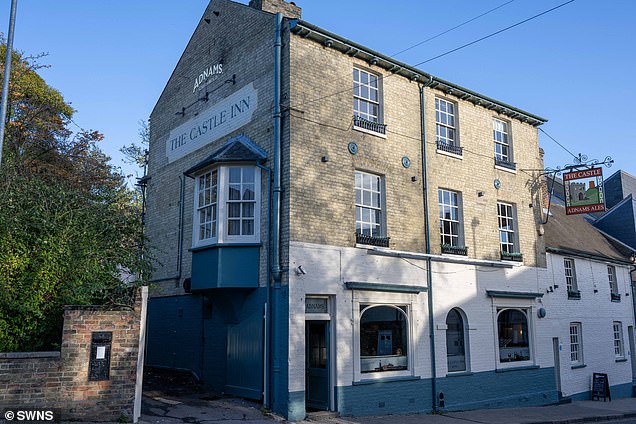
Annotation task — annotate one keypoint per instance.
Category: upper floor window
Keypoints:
(503, 146)
(570, 278)
(450, 222)
(446, 127)
(369, 206)
(619, 350)
(507, 230)
(227, 205)
(576, 345)
(367, 102)
(611, 276)
(514, 339)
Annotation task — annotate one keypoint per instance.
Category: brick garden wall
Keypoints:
(59, 380)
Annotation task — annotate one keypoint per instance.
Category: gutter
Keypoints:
(351, 48)
(571, 252)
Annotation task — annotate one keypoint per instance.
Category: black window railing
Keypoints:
(505, 164)
(510, 256)
(455, 250)
(449, 148)
(372, 240)
(574, 294)
(369, 125)
(616, 297)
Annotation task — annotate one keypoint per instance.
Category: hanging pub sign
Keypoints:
(584, 191)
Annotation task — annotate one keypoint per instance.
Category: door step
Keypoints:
(321, 415)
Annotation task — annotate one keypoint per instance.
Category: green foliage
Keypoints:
(70, 229)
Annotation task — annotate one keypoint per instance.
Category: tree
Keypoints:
(70, 228)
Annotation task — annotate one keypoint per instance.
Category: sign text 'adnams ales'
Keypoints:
(219, 120)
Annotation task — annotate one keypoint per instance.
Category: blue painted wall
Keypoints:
(523, 387)
(617, 391)
(491, 389)
(282, 401)
(225, 267)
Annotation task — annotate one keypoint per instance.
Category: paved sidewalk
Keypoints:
(158, 409)
(575, 412)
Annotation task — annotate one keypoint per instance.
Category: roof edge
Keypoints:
(329, 39)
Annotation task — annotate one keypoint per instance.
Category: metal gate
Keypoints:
(245, 358)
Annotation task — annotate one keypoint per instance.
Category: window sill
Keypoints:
(459, 374)
(227, 243)
(521, 368)
(503, 168)
(576, 367)
(452, 155)
(620, 360)
(385, 380)
(367, 131)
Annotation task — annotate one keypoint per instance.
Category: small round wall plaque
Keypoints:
(353, 148)
(497, 184)
(406, 162)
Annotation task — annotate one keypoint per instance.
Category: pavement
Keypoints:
(160, 409)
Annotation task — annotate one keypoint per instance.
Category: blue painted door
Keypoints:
(245, 358)
(317, 367)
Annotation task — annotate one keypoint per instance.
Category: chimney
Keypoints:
(289, 10)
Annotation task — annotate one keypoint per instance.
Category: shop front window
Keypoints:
(383, 338)
(512, 328)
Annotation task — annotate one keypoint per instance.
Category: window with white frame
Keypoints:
(619, 350)
(384, 338)
(507, 228)
(570, 275)
(445, 120)
(369, 204)
(450, 225)
(576, 343)
(513, 335)
(611, 277)
(227, 205)
(366, 95)
(501, 135)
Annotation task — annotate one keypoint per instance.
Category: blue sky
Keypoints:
(573, 66)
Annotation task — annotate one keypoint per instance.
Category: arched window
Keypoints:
(383, 338)
(512, 328)
(455, 341)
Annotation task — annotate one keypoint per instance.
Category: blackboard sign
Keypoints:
(600, 387)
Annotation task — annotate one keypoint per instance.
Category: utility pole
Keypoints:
(7, 74)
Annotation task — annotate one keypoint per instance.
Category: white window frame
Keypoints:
(447, 120)
(619, 346)
(528, 313)
(509, 227)
(611, 277)
(360, 206)
(394, 300)
(222, 236)
(358, 98)
(458, 238)
(502, 139)
(569, 269)
(576, 344)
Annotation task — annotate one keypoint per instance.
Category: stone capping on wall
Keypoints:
(28, 355)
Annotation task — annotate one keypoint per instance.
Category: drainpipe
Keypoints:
(276, 269)
(427, 237)
(268, 308)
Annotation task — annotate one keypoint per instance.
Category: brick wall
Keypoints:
(59, 380)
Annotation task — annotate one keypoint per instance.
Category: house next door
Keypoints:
(317, 367)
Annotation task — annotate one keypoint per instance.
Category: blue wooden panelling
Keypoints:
(225, 267)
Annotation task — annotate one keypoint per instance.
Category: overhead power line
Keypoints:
(451, 29)
(560, 145)
(493, 34)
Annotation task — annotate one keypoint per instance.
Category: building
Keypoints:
(589, 307)
(336, 230)
(620, 198)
